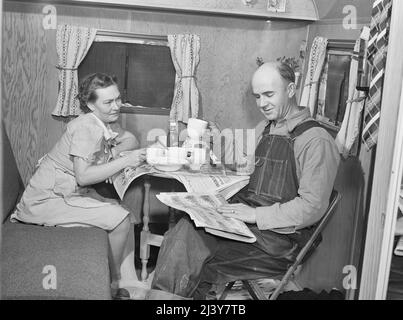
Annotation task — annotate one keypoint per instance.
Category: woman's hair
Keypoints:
(89, 85)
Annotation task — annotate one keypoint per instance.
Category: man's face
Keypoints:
(107, 106)
(271, 93)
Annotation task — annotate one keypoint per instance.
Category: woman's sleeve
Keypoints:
(86, 140)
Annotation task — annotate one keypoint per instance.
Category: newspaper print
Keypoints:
(202, 208)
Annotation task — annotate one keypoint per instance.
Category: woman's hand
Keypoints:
(239, 211)
(136, 157)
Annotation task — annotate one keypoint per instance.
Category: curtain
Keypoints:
(377, 57)
(316, 62)
(350, 127)
(72, 44)
(323, 88)
(185, 51)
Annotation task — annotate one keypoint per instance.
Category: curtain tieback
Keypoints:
(63, 68)
(184, 77)
(311, 83)
(360, 99)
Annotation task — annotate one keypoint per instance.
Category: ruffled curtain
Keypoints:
(350, 127)
(72, 45)
(317, 59)
(185, 51)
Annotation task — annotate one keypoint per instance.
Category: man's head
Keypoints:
(273, 86)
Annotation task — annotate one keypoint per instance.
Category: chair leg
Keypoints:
(254, 290)
(227, 289)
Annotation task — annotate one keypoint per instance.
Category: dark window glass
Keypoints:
(338, 85)
(151, 76)
(106, 57)
(145, 73)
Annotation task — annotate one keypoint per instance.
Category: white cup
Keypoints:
(176, 155)
(197, 158)
(155, 154)
(196, 128)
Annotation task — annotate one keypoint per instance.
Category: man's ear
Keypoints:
(292, 89)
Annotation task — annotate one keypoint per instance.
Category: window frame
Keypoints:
(338, 47)
(135, 38)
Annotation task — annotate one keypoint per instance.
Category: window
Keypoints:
(144, 68)
(334, 84)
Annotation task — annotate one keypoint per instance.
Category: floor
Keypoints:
(138, 289)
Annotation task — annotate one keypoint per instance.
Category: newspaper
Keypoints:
(225, 185)
(202, 209)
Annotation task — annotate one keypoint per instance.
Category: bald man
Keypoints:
(296, 163)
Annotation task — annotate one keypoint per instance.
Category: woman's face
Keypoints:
(107, 106)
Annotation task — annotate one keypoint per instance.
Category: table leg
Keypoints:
(171, 219)
(144, 246)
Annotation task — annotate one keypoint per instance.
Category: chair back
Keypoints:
(311, 245)
(316, 238)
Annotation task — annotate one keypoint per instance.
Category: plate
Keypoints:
(168, 167)
(163, 164)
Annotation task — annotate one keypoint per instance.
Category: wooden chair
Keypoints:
(252, 286)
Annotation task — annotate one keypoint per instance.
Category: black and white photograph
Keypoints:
(189, 157)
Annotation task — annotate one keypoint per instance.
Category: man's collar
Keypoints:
(108, 132)
(294, 120)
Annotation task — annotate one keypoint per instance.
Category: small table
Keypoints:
(147, 238)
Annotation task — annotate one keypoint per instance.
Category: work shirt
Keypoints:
(317, 160)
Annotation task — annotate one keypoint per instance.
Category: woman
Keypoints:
(59, 193)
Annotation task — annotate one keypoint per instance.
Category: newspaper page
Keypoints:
(227, 186)
(123, 179)
(202, 209)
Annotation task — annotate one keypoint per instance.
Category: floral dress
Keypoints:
(53, 197)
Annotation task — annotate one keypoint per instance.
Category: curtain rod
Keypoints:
(111, 33)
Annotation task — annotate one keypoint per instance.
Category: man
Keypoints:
(289, 191)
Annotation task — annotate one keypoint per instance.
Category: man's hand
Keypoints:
(239, 211)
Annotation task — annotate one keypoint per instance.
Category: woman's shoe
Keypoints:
(121, 294)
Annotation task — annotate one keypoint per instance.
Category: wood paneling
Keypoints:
(25, 88)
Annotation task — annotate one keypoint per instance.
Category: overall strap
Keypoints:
(267, 129)
(303, 127)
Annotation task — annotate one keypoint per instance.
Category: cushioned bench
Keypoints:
(49, 262)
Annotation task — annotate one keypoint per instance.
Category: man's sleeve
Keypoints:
(319, 162)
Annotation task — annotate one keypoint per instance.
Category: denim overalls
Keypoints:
(275, 178)
(190, 260)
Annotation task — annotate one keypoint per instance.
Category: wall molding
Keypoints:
(303, 10)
